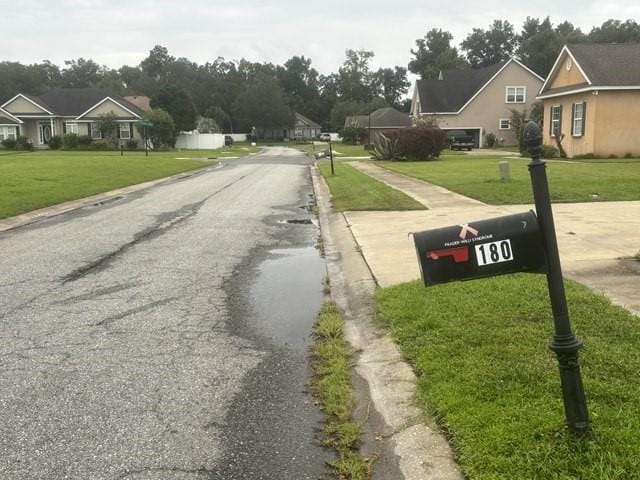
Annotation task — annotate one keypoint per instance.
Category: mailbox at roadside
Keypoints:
(485, 248)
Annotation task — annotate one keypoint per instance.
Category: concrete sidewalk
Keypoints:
(596, 240)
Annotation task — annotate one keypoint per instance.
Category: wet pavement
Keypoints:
(165, 334)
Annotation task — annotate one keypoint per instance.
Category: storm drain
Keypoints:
(297, 221)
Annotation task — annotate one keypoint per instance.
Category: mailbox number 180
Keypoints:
(494, 252)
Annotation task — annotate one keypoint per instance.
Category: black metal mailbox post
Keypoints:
(524, 242)
(479, 249)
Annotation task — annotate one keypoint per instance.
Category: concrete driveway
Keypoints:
(596, 239)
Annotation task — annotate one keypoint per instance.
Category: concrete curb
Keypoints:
(113, 195)
(421, 452)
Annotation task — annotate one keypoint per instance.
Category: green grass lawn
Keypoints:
(40, 179)
(478, 177)
(485, 373)
(353, 190)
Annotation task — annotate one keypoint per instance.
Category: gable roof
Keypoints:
(31, 99)
(75, 102)
(387, 117)
(7, 119)
(302, 121)
(454, 89)
(603, 65)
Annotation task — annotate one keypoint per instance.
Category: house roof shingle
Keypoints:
(7, 121)
(387, 117)
(454, 89)
(604, 64)
(302, 121)
(72, 102)
(609, 64)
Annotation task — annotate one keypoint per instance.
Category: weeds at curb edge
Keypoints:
(331, 386)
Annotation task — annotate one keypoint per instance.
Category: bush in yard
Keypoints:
(490, 139)
(354, 135)
(69, 141)
(163, 132)
(549, 151)
(132, 144)
(84, 141)
(55, 143)
(419, 143)
(24, 143)
(10, 143)
(384, 148)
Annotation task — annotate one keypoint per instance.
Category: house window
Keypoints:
(505, 124)
(71, 127)
(7, 133)
(556, 120)
(125, 132)
(578, 120)
(516, 95)
(96, 134)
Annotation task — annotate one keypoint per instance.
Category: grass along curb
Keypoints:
(485, 373)
(332, 388)
(353, 190)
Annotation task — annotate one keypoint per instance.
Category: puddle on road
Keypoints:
(287, 295)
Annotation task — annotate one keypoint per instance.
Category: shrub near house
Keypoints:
(411, 144)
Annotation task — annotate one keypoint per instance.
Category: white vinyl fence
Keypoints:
(199, 141)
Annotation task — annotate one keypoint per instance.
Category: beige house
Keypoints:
(72, 110)
(478, 100)
(592, 100)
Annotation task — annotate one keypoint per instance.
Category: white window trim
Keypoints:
(559, 119)
(91, 130)
(500, 127)
(5, 133)
(515, 93)
(72, 126)
(575, 118)
(126, 130)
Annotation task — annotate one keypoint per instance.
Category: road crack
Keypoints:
(165, 223)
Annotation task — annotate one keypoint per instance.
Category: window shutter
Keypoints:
(551, 120)
(64, 128)
(130, 129)
(118, 130)
(573, 119)
(584, 118)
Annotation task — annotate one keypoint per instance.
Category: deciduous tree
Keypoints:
(433, 53)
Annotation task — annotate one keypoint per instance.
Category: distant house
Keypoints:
(592, 98)
(303, 128)
(73, 110)
(477, 100)
(380, 121)
(9, 126)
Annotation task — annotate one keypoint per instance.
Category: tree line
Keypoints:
(234, 96)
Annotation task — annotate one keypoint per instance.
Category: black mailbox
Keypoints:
(479, 249)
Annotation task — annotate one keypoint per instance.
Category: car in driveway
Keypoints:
(460, 140)
(325, 137)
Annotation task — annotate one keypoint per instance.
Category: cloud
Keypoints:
(118, 32)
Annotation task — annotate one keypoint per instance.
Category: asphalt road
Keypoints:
(165, 335)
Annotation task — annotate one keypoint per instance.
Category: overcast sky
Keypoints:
(118, 32)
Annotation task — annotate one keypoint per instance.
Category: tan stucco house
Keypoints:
(592, 100)
(478, 100)
(67, 110)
